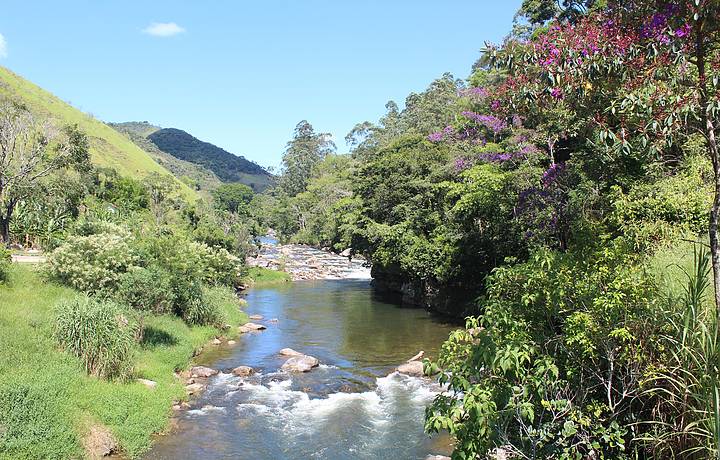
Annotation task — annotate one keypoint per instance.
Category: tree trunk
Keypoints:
(715, 211)
(5, 230)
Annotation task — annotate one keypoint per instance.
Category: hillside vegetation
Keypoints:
(108, 148)
(227, 167)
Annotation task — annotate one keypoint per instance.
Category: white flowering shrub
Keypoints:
(92, 263)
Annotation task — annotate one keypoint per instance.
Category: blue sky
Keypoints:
(242, 74)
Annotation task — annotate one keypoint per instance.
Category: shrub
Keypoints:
(91, 263)
(100, 333)
(5, 262)
(217, 265)
(147, 289)
(208, 309)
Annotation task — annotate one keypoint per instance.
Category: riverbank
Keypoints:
(50, 408)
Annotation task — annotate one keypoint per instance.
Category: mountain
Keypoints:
(226, 166)
(197, 176)
(108, 147)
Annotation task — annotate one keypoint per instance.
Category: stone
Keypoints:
(346, 253)
(99, 442)
(255, 317)
(290, 352)
(202, 371)
(414, 368)
(194, 388)
(437, 457)
(302, 363)
(254, 326)
(243, 371)
(216, 342)
(274, 320)
(148, 383)
(417, 357)
(231, 342)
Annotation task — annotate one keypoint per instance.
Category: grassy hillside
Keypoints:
(227, 167)
(197, 176)
(108, 148)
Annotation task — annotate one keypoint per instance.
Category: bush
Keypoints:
(5, 262)
(147, 289)
(91, 263)
(101, 333)
(208, 309)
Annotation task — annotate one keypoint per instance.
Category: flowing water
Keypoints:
(352, 407)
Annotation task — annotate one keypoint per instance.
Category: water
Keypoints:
(353, 407)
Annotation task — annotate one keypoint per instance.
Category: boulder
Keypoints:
(346, 253)
(99, 442)
(290, 352)
(148, 383)
(255, 317)
(437, 457)
(302, 363)
(243, 371)
(202, 372)
(216, 341)
(417, 357)
(194, 388)
(254, 326)
(231, 342)
(414, 368)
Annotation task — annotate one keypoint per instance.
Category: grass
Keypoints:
(108, 147)
(47, 402)
(259, 276)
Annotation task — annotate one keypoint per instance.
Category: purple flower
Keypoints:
(683, 31)
(435, 137)
(552, 174)
(489, 121)
(557, 93)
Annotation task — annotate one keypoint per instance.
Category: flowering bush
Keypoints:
(92, 263)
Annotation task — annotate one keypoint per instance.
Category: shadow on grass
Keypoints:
(153, 337)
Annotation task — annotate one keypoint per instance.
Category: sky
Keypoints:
(242, 74)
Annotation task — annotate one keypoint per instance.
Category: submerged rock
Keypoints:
(302, 363)
(255, 317)
(194, 388)
(243, 371)
(202, 372)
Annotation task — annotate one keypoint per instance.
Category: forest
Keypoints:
(562, 202)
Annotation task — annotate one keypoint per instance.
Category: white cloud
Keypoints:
(163, 29)
(3, 47)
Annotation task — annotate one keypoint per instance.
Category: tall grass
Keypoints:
(686, 389)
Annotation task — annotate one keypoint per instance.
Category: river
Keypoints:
(352, 407)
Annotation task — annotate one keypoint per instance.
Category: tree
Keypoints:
(233, 197)
(31, 149)
(306, 149)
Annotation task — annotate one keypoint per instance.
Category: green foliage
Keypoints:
(100, 333)
(208, 310)
(302, 154)
(147, 289)
(92, 263)
(5, 264)
(234, 198)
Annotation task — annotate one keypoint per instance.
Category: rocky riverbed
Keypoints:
(307, 263)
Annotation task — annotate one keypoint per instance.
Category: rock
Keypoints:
(99, 442)
(255, 317)
(414, 368)
(254, 326)
(231, 342)
(437, 457)
(302, 363)
(274, 320)
(417, 357)
(194, 388)
(148, 383)
(290, 352)
(216, 342)
(346, 253)
(243, 371)
(202, 371)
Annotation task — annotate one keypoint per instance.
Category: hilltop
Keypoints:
(227, 166)
(108, 147)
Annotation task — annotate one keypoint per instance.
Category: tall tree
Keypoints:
(31, 149)
(302, 154)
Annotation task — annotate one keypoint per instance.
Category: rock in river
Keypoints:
(243, 371)
(255, 317)
(302, 363)
(247, 327)
(414, 368)
(202, 372)
(290, 352)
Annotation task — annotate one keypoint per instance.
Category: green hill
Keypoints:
(108, 147)
(227, 167)
(197, 176)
